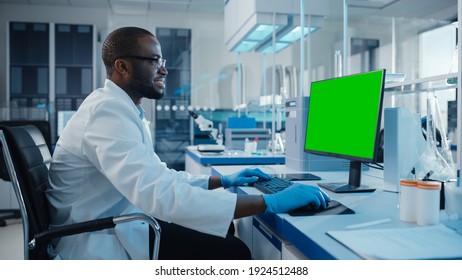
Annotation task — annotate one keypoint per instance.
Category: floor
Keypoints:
(11, 240)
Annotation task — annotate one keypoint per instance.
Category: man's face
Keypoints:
(148, 73)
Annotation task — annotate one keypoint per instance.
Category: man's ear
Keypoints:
(121, 66)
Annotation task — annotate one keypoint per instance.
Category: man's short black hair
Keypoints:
(120, 42)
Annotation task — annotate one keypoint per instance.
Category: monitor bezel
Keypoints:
(375, 156)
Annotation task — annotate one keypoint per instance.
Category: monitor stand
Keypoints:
(354, 182)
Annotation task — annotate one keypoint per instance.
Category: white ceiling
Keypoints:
(206, 6)
(436, 9)
(425, 9)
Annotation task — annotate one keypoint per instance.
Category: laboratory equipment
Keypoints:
(235, 137)
(404, 144)
(344, 122)
(206, 125)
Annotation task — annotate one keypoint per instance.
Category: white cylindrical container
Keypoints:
(250, 147)
(428, 202)
(453, 199)
(407, 201)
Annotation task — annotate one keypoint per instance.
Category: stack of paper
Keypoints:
(429, 242)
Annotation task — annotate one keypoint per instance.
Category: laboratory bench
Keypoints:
(200, 162)
(282, 236)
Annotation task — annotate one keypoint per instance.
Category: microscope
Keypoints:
(207, 126)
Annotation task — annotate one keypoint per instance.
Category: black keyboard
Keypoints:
(273, 185)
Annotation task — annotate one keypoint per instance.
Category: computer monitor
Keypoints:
(343, 121)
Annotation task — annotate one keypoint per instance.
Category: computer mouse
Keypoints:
(312, 207)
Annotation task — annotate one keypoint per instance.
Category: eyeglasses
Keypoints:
(158, 61)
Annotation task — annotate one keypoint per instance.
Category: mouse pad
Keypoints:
(299, 176)
(334, 208)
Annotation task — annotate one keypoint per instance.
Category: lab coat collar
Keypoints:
(142, 112)
(115, 88)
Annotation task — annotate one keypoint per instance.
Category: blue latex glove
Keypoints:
(243, 177)
(296, 196)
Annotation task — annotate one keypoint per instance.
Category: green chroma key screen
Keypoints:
(344, 116)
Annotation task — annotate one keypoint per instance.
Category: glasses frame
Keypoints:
(159, 61)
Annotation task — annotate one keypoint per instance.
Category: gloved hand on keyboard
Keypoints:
(245, 176)
(296, 196)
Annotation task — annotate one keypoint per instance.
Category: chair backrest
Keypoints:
(27, 159)
(43, 126)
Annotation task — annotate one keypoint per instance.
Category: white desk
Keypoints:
(199, 163)
(308, 234)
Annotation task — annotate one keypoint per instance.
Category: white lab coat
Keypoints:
(104, 165)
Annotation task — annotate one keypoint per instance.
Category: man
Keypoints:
(104, 165)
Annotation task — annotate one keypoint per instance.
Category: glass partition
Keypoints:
(380, 34)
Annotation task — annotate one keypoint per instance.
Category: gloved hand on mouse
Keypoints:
(295, 196)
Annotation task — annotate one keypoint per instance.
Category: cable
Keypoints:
(374, 165)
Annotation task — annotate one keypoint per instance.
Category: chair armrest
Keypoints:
(95, 225)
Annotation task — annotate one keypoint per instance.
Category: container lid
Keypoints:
(429, 185)
(408, 183)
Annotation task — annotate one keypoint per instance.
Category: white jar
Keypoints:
(428, 202)
(453, 200)
(408, 201)
(250, 147)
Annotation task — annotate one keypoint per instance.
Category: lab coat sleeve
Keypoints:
(115, 142)
(201, 181)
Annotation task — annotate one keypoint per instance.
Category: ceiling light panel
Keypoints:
(372, 4)
(127, 7)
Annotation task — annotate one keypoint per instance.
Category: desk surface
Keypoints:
(308, 234)
(232, 157)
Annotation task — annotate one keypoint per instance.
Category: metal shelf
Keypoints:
(434, 83)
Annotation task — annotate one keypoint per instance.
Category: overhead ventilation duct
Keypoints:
(249, 24)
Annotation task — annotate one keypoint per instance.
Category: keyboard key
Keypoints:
(273, 185)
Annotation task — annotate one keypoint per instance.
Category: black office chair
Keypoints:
(27, 159)
(8, 214)
(44, 127)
